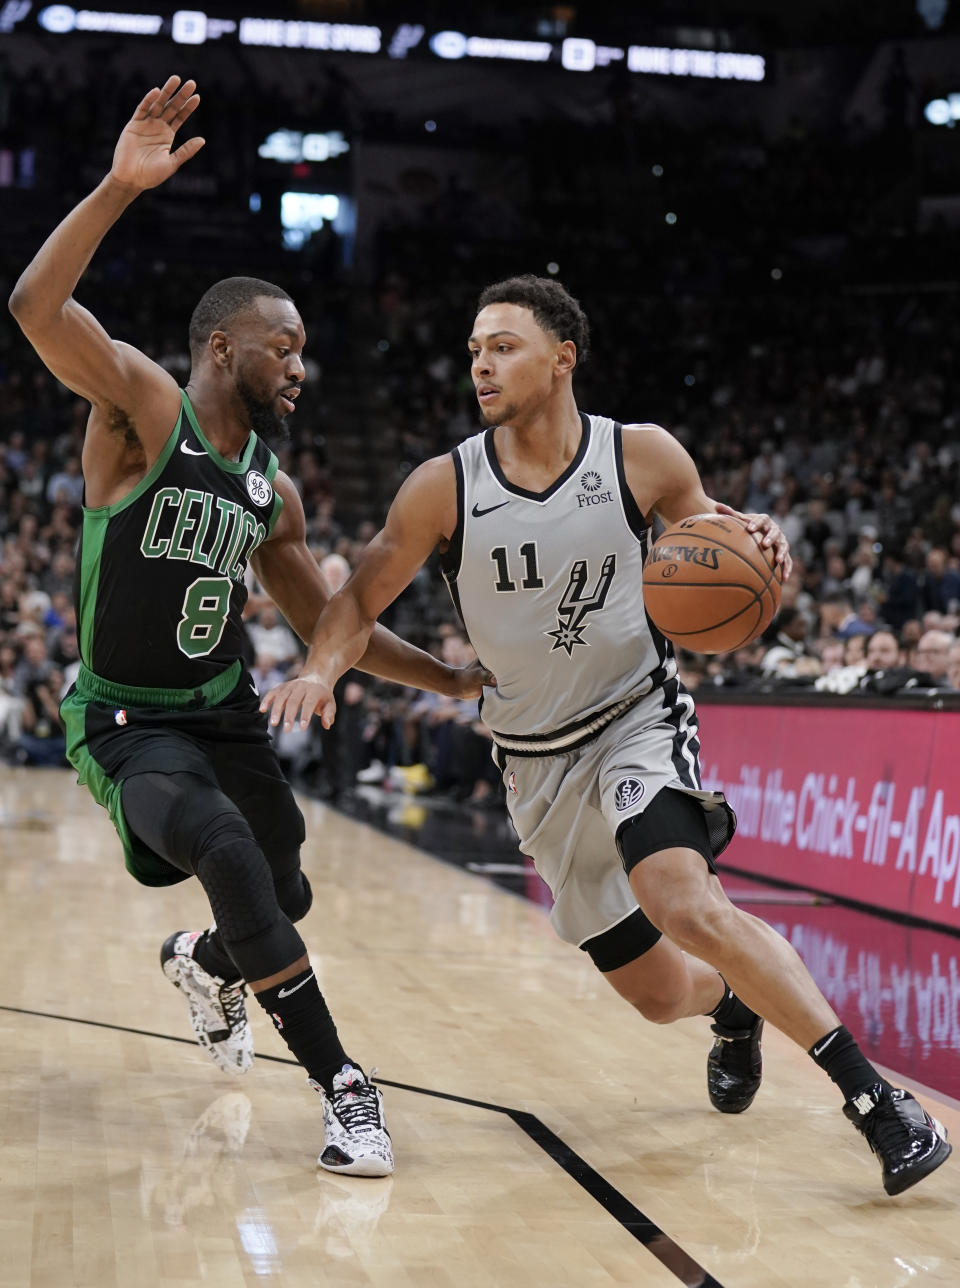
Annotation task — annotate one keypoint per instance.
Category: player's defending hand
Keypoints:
(143, 157)
(767, 533)
(298, 700)
(469, 681)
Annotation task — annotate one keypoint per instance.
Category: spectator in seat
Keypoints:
(66, 485)
(271, 635)
(883, 651)
(953, 665)
(939, 583)
(789, 650)
(11, 703)
(39, 683)
(901, 592)
(932, 654)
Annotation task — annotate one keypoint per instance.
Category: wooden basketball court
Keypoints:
(544, 1133)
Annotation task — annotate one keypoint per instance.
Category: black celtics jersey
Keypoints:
(159, 588)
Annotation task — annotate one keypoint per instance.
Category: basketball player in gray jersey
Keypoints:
(543, 523)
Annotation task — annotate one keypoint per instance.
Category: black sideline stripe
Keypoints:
(618, 1205)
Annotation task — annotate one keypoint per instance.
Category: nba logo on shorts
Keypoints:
(512, 782)
(120, 717)
(629, 793)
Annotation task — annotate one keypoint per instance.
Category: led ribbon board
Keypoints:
(575, 54)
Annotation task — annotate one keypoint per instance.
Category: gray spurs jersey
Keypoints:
(549, 587)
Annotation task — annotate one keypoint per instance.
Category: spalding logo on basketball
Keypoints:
(259, 490)
(709, 586)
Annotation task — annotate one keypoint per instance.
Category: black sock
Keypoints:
(302, 1019)
(730, 1012)
(839, 1056)
(213, 957)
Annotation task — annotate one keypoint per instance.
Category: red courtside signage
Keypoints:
(864, 804)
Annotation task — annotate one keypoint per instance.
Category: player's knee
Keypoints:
(699, 926)
(294, 895)
(220, 832)
(239, 884)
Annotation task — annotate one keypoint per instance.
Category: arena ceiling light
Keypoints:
(943, 111)
(291, 146)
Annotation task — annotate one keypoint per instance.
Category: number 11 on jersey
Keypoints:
(528, 553)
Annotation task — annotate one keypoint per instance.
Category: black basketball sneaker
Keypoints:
(734, 1067)
(909, 1143)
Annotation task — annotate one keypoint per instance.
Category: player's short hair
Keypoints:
(551, 304)
(218, 306)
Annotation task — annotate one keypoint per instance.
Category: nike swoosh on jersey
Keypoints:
(190, 451)
(478, 513)
(285, 992)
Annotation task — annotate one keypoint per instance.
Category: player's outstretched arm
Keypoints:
(342, 631)
(664, 480)
(68, 337)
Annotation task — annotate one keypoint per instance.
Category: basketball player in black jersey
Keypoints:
(163, 725)
(684, 949)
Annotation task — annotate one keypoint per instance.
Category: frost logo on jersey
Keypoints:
(591, 482)
(258, 489)
(629, 792)
(575, 605)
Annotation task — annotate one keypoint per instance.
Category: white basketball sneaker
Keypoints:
(357, 1140)
(218, 1013)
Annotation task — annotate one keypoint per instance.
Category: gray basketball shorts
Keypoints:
(567, 809)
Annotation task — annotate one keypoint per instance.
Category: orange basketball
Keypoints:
(708, 585)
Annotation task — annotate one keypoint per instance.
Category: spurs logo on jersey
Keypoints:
(575, 605)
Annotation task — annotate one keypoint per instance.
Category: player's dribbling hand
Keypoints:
(469, 681)
(143, 157)
(767, 533)
(298, 700)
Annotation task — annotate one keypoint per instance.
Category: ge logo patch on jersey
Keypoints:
(629, 792)
(259, 490)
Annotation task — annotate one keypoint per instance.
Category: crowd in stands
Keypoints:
(791, 333)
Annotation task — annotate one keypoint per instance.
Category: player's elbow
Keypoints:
(23, 304)
(17, 302)
(28, 306)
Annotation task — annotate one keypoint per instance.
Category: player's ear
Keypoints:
(220, 347)
(566, 357)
